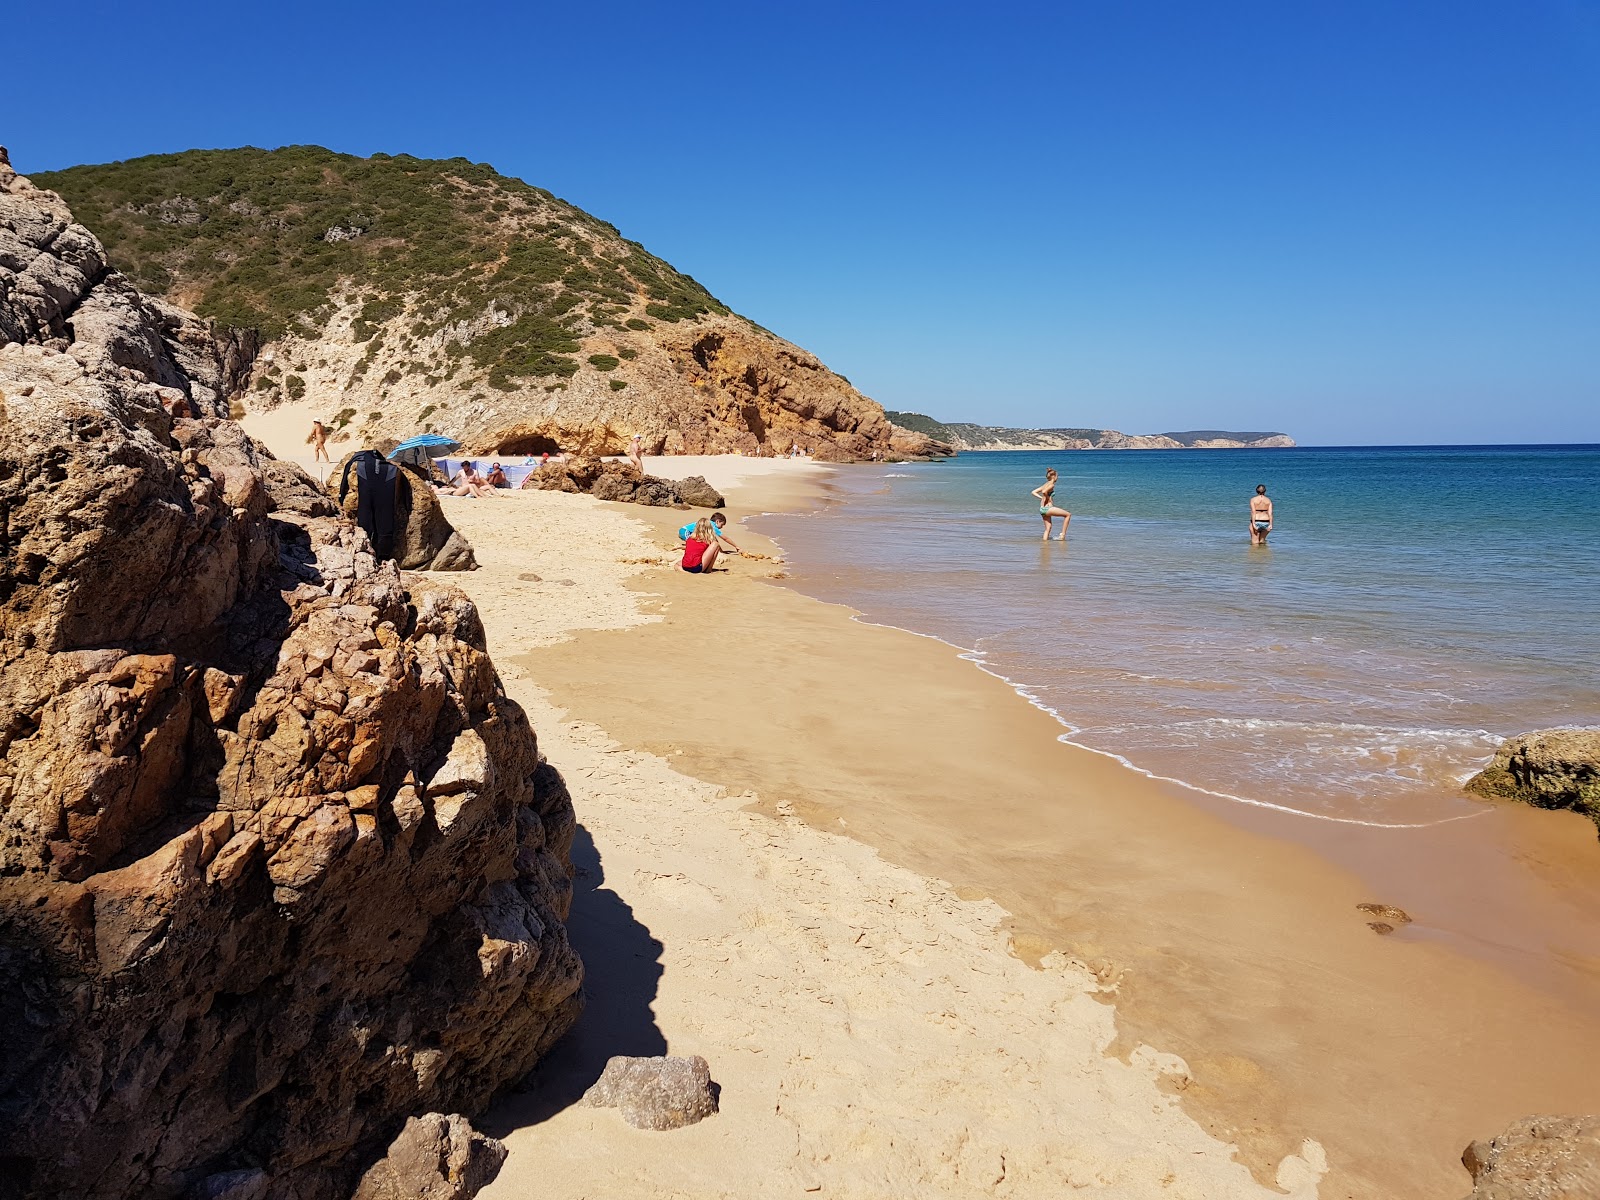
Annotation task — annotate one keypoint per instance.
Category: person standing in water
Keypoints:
(1260, 516)
(319, 442)
(1045, 494)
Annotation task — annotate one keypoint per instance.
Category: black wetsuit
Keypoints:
(377, 482)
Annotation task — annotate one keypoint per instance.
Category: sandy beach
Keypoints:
(927, 948)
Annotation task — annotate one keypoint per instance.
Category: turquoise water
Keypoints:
(1414, 605)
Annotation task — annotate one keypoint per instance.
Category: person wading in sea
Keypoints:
(1045, 494)
(1260, 516)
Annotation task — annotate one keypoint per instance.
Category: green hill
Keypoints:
(263, 239)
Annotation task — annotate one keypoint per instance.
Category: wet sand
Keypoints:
(1243, 952)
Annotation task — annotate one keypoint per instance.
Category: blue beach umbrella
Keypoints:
(420, 450)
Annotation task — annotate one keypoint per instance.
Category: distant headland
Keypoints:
(963, 435)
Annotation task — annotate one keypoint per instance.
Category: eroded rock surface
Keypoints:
(663, 1092)
(436, 1157)
(621, 481)
(279, 865)
(1538, 1158)
(1556, 768)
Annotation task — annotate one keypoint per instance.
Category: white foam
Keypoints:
(974, 657)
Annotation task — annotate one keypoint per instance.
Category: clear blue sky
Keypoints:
(1354, 220)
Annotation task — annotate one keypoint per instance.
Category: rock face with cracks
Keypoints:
(279, 864)
(1538, 1158)
(435, 1158)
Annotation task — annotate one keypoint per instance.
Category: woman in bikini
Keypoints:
(1045, 493)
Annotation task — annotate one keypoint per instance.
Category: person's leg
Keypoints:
(710, 559)
(1255, 534)
(1045, 517)
(1066, 517)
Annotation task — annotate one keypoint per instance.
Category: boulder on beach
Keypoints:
(1538, 1158)
(425, 540)
(1552, 768)
(622, 482)
(662, 1092)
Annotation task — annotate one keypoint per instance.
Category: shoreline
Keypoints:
(1238, 950)
(869, 1030)
(1254, 902)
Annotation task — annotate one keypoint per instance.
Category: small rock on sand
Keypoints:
(1389, 917)
(655, 1093)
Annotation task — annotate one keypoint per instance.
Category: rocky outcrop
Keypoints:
(279, 865)
(424, 538)
(1554, 768)
(435, 1158)
(622, 481)
(58, 290)
(1538, 1158)
(663, 1092)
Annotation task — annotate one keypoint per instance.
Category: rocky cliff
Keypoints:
(966, 436)
(399, 295)
(279, 865)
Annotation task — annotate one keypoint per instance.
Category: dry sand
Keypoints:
(870, 1032)
(1242, 952)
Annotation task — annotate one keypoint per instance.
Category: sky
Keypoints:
(1359, 222)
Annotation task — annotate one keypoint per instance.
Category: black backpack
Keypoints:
(378, 482)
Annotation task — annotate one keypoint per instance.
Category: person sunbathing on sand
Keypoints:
(469, 483)
(1045, 493)
(718, 523)
(497, 477)
(700, 548)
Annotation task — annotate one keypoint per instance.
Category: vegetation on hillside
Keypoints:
(501, 271)
(919, 423)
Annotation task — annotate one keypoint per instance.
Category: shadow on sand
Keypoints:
(622, 966)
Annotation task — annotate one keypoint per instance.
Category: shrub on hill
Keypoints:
(264, 239)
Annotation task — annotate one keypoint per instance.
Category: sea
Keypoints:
(1413, 606)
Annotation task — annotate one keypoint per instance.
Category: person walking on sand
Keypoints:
(700, 549)
(1260, 516)
(319, 442)
(636, 454)
(1045, 494)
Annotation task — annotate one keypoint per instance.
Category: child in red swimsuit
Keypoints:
(700, 549)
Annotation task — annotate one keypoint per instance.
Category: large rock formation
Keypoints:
(279, 865)
(1538, 1158)
(1554, 768)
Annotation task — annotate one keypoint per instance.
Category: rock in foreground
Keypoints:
(435, 1158)
(1538, 1158)
(655, 1093)
(1555, 768)
(279, 865)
